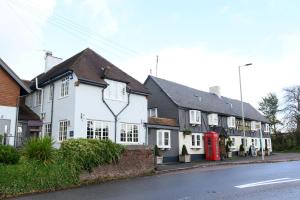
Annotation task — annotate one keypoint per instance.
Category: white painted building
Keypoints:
(88, 97)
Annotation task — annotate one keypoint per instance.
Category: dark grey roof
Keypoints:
(14, 75)
(191, 98)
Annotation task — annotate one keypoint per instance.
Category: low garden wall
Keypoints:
(135, 161)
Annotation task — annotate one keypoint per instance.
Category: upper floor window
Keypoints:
(129, 133)
(253, 125)
(163, 138)
(38, 98)
(97, 129)
(213, 119)
(231, 122)
(267, 128)
(195, 117)
(115, 90)
(196, 140)
(153, 112)
(64, 88)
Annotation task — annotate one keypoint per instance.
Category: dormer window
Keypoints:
(115, 90)
(153, 112)
(267, 128)
(213, 119)
(195, 117)
(231, 122)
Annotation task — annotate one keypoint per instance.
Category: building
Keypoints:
(16, 119)
(86, 96)
(193, 113)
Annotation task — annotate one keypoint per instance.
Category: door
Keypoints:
(4, 130)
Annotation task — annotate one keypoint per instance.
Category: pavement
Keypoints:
(263, 181)
(275, 157)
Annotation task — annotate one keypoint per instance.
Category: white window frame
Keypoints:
(213, 119)
(253, 126)
(99, 130)
(153, 112)
(64, 87)
(63, 130)
(38, 98)
(233, 139)
(231, 122)
(194, 139)
(47, 129)
(195, 116)
(115, 90)
(161, 138)
(267, 128)
(130, 133)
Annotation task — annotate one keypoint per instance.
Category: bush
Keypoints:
(40, 149)
(90, 153)
(9, 155)
(184, 151)
(242, 148)
(156, 151)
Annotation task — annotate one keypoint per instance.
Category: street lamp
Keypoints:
(241, 92)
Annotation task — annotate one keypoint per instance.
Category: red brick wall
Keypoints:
(9, 89)
(134, 162)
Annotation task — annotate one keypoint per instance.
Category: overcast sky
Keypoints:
(199, 43)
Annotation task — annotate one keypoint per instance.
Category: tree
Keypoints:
(292, 110)
(269, 107)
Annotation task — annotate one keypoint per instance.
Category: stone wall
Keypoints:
(135, 161)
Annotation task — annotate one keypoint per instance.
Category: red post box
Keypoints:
(211, 143)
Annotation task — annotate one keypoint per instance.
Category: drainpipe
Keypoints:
(52, 110)
(112, 112)
(42, 96)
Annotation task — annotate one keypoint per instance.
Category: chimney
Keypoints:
(215, 90)
(51, 61)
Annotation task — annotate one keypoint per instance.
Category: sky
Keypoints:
(199, 43)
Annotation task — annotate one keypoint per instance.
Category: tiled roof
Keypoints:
(191, 98)
(91, 68)
(25, 113)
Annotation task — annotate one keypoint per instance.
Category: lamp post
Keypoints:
(242, 104)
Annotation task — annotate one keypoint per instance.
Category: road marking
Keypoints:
(267, 182)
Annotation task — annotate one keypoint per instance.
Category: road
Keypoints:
(260, 181)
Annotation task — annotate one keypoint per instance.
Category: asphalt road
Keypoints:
(255, 182)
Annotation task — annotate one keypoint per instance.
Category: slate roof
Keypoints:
(89, 68)
(191, 98)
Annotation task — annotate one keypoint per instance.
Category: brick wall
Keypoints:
(135, 161)
(9, 89)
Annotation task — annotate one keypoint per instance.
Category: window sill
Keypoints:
(196, 147)
(195, 123)
(63, 97)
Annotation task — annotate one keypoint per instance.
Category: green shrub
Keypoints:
(89, 153)
(242, 148)
(184, 151)
(156, 151)
(40, 149)
(32, 176)
(9, 155)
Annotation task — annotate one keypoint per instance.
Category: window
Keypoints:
(64, 89)
(213, 119)
(129, 133)
(63, 128)
(51, 92)
(97, 130)
(115, 90)
(233, 142)
(196, 140)
(242, 142)
(163, 138)
(267, 128)
(231, 122)
(38, 98)
(153, 112)
(195, 117)
(47, 129)
(253, 125)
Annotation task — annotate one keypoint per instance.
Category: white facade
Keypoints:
(84, 103)
(187, 141)
(8, 116)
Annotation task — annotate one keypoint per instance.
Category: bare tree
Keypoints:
(292, 108)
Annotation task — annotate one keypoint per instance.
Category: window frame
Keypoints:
(63, 130)
(194, 136)
(253, 126)
(115, 90)
(64, 87)
(131, 134)
(231, 122)
(47, 129)
(163, 138)
(151, 112)
(98, 129)
(38, 98)
(193, 116)
(267, 128)
(212, 118)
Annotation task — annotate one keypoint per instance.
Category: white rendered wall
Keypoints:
(9, 113)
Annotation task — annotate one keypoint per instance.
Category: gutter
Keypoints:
(112, 112)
